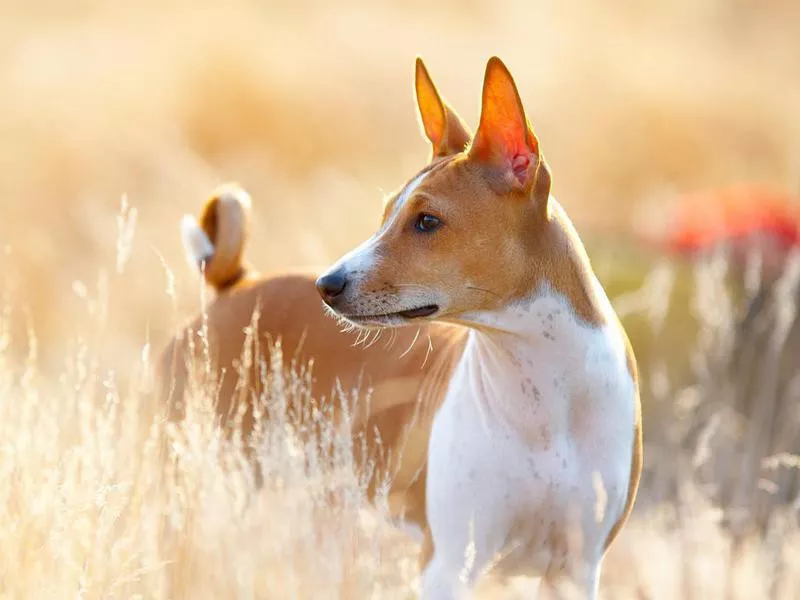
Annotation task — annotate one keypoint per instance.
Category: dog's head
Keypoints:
(458, 238)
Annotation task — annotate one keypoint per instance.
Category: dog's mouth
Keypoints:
(421, 312)
(394, 317)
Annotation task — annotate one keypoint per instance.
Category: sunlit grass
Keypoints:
(103, 497)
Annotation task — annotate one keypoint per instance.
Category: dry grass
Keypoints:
(309, 106)
(103, 498)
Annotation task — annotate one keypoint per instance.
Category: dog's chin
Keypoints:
(389, 319)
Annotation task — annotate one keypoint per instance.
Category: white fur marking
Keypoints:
(532, 420)
(364, 257)
(196, 245)
(406, 194)
(242, 197)
(360, 259)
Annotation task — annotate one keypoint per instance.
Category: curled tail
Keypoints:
(214, 244)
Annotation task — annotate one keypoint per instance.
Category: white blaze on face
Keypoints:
(363, 258)
(404, 196)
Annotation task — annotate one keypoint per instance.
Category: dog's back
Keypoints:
(403, 374)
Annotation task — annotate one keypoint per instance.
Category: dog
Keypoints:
(535, 451)
(399, 384)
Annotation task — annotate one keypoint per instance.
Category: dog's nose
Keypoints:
(331, 285)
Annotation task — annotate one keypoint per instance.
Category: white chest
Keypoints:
(532, 447)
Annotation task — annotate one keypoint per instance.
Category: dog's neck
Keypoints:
(567, 281)
(537, 346)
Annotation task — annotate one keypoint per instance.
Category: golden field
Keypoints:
(309, 105)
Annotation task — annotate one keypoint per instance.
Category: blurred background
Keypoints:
(669, 127)
(309, 105)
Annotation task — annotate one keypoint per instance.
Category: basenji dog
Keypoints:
(397, 381)
(535, 453)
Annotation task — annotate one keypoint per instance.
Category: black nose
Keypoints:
(331, 285)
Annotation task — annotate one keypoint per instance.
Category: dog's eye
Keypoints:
(427, 223)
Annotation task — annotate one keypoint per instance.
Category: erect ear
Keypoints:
(442, 126)
(504, 137)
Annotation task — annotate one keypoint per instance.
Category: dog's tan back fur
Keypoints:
(400, 380)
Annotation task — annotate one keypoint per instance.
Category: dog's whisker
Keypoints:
(412, 343)
(393, 338)
(410, 286)
(484, 290)
(429, 351)
(378, 333)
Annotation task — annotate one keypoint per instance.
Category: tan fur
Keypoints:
(483, 217)
(227, 225)
(638, 450)
(485, 213)
(395, 425)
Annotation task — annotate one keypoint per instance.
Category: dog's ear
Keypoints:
(504, 137)
(442, 126)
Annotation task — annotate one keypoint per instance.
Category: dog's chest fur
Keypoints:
(531, 449)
